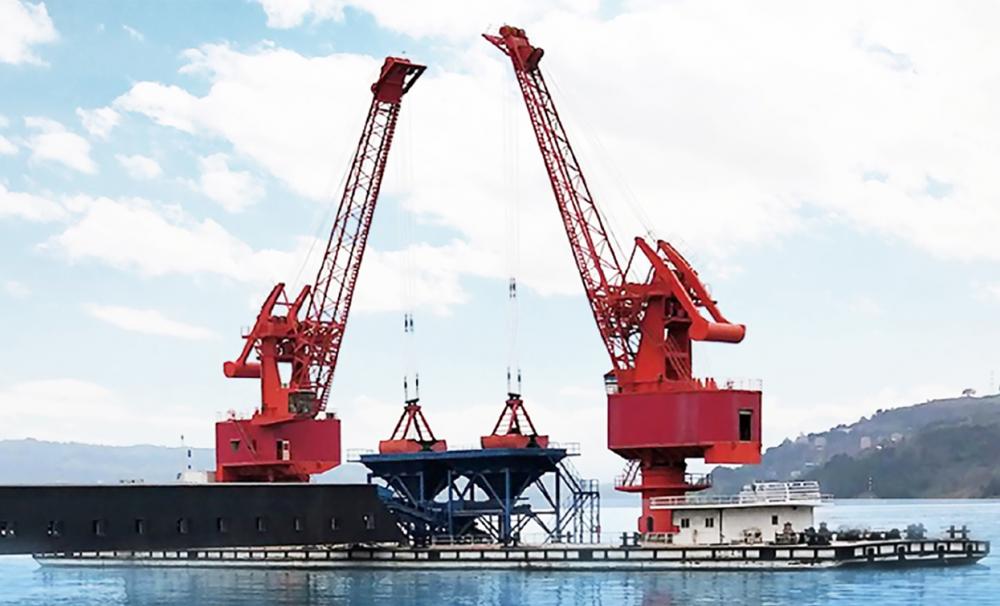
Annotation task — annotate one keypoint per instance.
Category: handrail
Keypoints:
(758, 493)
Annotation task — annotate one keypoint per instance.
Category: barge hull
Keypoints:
(68, 519)
(900, 553)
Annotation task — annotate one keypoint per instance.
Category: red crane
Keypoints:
(287, 439)
(659, 414)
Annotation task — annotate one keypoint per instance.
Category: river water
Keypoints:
(23, 582)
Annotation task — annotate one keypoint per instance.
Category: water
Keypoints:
(23, 582)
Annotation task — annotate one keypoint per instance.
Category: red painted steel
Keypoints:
(698, 424)
(412, 433)
(514, 428)
(308, 346)
(280, 452)
(647, 326)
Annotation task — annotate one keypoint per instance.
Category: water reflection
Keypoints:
(418, 588)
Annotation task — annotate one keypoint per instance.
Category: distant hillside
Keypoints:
(938, 461)
(942, 448)
(38, 462)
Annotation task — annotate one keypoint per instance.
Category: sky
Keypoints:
(829, 169)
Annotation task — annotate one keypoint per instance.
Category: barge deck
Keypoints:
(884, 553)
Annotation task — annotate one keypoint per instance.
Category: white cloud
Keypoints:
(52, 142)
(310, 103)
(73, 410)
(420, 276)
(16, 289)
(990, 292)
(22, 26)
(863, 305)
(234, 190)
(29, 206)
(451, 19)
(139, 166)
(168, 105)
(310, 109)
(157, 240)
(730, 145)
(99, 121)
(7, 148)
(285, 14)
(147, 321)
(133, 33)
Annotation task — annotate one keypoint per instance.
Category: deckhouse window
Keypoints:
(746, 425)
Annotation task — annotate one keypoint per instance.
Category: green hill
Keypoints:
(941, 448)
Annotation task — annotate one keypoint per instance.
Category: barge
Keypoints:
(767, 526)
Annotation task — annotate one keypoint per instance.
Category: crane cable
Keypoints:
(606, 159)
(512, 189)
(407, 290)
(322, 216)
(592, 136)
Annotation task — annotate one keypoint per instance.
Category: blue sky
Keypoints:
(831, 176)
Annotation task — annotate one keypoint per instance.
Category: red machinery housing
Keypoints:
(287, 439)
(659, 414)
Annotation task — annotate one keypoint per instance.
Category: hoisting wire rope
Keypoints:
(606, 159)
(405, 239)
(592, 136)
(512, 191)
(323, 214)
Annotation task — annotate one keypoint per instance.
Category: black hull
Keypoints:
(59, 519)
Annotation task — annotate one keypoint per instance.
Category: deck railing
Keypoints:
(632, 478)
(775, 493)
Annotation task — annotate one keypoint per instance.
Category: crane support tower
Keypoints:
(659, 414)
(290, 437)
